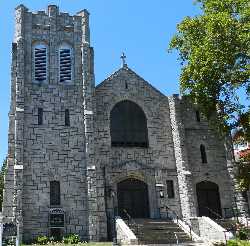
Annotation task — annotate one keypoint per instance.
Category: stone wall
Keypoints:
(216, 169)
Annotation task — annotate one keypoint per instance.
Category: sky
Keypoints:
(140, 28)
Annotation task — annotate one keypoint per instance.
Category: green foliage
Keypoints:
(242, 234)
(71, 239)
(2, 181)
(243, 176)
(42, 240)
(238, 243)
(215, 56)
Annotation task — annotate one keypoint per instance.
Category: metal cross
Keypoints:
(123, 57)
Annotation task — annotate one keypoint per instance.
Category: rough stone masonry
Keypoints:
(91, 152)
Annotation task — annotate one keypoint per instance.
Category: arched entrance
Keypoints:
(132, 196)
(208, 198)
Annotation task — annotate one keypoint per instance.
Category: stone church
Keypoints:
(80, 154)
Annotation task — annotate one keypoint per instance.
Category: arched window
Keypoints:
(40, 63)
(128, 125)
(203, 154)
(65, 63)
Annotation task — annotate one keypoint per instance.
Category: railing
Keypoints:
(232, 229)
(175, 216)
(131, 221)
(218, 216)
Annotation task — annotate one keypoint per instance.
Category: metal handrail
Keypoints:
(177, 219)
(131, 221)
(213, 212)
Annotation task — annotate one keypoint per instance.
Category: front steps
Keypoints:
(159, 232)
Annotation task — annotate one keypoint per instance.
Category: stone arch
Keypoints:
(132, 197)
(208, 199)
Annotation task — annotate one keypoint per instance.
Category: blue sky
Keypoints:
(142, 29)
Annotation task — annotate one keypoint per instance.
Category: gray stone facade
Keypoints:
(80, 156)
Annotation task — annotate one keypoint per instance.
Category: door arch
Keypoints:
(132, 195)
(208, 198)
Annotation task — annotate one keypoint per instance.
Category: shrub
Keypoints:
(71, 239)
(238, 243)
(42, 240)
(242, 234)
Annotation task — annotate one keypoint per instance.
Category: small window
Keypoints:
(40, 116)
(65, 64)
(203, 154)
(55, 193)
(170, 188)
(67, 118)
(197, 114)
(40, 63)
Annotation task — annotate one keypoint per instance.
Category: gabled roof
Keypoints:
(128, 70)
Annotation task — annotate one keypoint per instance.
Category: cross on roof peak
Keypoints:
(123, 58)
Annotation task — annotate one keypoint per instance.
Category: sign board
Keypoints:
(9, 230)
(56, 218)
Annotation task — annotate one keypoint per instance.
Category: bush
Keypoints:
(238, 243)
(42, 240)
(71, 239)
(242, 234)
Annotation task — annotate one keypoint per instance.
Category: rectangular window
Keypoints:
(197, 114)
(55, 196)
(40, 63)
(40, 116)
(67, 118)
(170, 188)
(65, 65)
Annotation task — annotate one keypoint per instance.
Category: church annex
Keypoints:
(80, 153)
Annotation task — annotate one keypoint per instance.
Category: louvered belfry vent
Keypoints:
(40, 64)
(65, 65)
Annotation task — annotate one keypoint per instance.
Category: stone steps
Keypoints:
(159, 232)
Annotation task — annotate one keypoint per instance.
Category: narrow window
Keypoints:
(203, 154)
(67, 118)
(40, 116)
(197, 113)
(40, 63)
(55, 193)
(65, 64)
(170, 188)
(126, 85)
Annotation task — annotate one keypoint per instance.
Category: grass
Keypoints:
(79, 244)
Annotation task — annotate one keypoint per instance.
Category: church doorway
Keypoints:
(132, 197)
(208, 198)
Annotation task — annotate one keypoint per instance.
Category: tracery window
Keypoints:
(128, 125)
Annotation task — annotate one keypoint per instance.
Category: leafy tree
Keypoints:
(3, 168)
(214, 49)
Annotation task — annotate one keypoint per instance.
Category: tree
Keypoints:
(214, 49)
(3, 168)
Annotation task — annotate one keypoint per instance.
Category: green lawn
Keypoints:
(79, 244)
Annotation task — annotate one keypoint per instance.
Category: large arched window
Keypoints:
(40, 65)
(128, 125)
(203, 153)
(65, 63)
